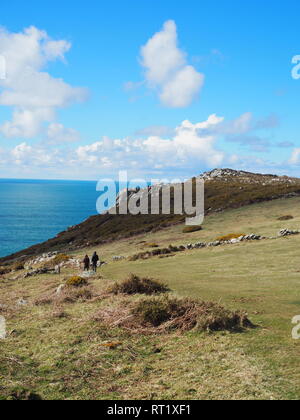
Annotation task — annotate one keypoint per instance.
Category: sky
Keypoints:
(159, 88)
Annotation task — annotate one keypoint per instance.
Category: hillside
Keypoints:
(72, 349)
(224, 189)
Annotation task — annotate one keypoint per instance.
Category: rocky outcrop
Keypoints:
(227, 175)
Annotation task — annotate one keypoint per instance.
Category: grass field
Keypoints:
(63, 356)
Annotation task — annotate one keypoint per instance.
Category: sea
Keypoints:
(33, 211)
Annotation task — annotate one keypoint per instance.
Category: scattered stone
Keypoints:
(60, 289)
(216, 243)
(38, 272)
(287, 232)
(118, 258)
(22, 302)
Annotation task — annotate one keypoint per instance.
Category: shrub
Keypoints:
(4, 271)
(74, 295)
(230, 236)
(156, 311)
(21, 394)
(156, 252)
(57, 260)
(150, 245)
(76, 281)
(18, 267)
(283, 218)
(136, 285)
(187, 314)
(191, 229)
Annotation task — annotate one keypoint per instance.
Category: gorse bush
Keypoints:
(136, 285)
(60, 258)
(230, 236)
(76, 281)
(157, 311)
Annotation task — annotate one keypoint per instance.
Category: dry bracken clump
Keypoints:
(66, 295)
(188, 314)
(164, 314)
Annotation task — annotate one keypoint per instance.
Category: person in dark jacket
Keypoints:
(86, 263)
(95, 260)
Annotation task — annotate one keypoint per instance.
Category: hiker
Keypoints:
(86, 263)
(95, 260)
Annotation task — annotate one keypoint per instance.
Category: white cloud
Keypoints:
(184, 149)
(295, 157)
(188, 150)
(27, 123)
(33, 94)
(182, 88)
(57, 133)
(167, 70)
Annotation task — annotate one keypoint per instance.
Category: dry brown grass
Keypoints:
(164, 314)
(66, 295)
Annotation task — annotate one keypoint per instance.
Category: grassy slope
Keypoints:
(63, 358)
(221, 193)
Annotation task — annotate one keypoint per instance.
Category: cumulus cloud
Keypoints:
(186, 151)
(57, 133)
(33, 94)
(243, 131)
(167, 70)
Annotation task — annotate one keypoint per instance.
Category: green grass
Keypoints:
(64, 358)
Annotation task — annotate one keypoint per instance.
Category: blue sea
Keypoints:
(33, 211)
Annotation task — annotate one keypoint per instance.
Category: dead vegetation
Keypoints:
(136, 285)
(66, 295)
(165, 314)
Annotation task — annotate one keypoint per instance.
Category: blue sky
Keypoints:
(119, 109)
